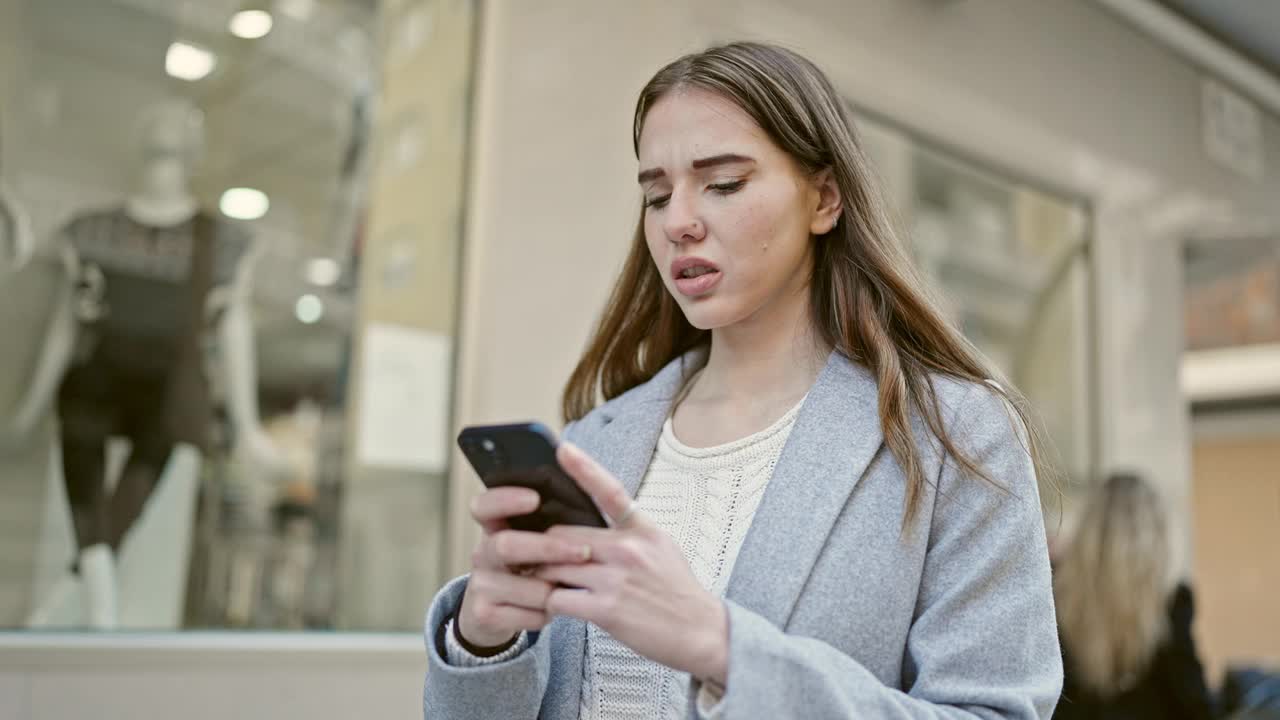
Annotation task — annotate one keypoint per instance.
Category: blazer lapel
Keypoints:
(835, 437)
(625, 433)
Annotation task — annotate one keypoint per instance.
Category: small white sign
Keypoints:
(404, 390)
(1232, 130)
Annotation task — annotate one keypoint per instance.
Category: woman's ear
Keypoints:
(826, 214)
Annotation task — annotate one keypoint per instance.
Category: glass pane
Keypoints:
(1011, 262)
(218, 238)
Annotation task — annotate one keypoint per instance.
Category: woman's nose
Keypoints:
(682, 221)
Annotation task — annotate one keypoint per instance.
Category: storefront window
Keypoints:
(228, 245)
(1012, 264)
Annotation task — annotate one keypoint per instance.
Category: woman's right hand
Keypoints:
(500, 602)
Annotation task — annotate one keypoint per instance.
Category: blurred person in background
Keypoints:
(770, 361)
(1125, 622)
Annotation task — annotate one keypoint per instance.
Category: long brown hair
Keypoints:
(866, 298)
(1112, 584)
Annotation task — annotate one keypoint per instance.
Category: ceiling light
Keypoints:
(323, 271)
(250, 24)
(309, 309)
(244, 203)
(189, 62)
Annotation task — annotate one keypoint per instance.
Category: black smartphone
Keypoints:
(524, 454)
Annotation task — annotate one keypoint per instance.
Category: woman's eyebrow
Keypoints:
(699, 164)
(724, 159)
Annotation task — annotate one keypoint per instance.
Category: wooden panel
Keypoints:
(1237, 550)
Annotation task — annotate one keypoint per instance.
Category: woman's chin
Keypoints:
(709, 315)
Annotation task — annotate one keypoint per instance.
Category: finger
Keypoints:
(492, 507)
(599, 483)
(485, 557)
(581, 604)
(592, 576)
(519, 547)
(506, 589)
(611, 547)
(509, 617)
(583, 535)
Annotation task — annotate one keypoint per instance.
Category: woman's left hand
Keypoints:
(638, 586)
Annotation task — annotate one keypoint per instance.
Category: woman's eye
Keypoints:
(728, 188)
(724, 188)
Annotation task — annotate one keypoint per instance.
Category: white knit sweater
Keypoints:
(704, 498)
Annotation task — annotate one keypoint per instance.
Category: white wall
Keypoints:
(1058, 91)
(211, 677)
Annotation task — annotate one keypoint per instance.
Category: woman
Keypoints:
(1126, 629)
(834, 515)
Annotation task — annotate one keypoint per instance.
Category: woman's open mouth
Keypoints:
(695, 276)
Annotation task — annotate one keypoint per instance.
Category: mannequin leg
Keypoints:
(98, 569)
(150, 454)
(84, 447)
(84, 428)
(86, 420)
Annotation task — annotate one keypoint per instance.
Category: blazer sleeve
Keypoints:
(983, 642)
(508, 689)
(1179, 663)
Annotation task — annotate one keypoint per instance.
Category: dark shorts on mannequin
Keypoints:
(97, 401)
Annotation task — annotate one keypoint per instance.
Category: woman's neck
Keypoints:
(771, 358)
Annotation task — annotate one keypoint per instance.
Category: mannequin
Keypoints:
(161, 283)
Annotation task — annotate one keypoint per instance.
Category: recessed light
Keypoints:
(250, 24)
(189, 62)
(309, 309)
(244, 203)
(323, 271)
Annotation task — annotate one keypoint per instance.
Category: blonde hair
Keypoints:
(1112, 585)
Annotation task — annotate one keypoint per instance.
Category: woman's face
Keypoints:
(728, 215)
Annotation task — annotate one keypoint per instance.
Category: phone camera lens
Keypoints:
(488, 445)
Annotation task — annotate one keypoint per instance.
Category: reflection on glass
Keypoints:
(183, 313)
(1012, 265)
(1232, 293)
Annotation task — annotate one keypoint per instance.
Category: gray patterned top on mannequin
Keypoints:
(146, 269)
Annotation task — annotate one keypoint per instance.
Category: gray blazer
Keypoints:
(835, 610)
